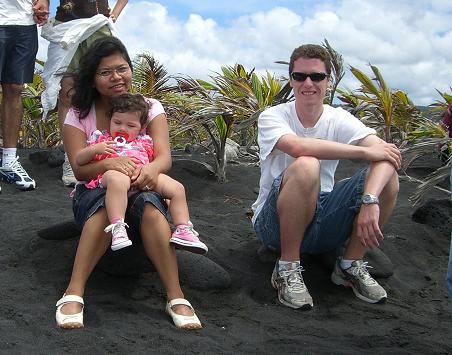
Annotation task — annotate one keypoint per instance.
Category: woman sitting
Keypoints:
(105, 72)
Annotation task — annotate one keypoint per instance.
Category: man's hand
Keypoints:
(384, 151)
(367, 227)
(40, 12)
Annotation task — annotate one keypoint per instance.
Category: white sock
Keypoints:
(9, 154)
(283, 263)
(345, 264)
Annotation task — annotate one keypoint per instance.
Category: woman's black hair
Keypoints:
(84, 91)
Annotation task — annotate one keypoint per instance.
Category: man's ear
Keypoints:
(330, 81)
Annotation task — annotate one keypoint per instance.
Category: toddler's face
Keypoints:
(125, 122)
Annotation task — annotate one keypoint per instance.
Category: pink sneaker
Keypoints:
(119, 238)
(185, 237)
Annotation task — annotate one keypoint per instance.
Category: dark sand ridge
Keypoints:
(125, 314)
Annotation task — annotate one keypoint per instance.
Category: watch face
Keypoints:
(368, 199)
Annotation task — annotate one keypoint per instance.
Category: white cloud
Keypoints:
(409, 41)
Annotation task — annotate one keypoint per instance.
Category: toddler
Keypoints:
(128, 118)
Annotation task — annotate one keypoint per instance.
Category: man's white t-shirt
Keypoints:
(335, 124)
(16, 12)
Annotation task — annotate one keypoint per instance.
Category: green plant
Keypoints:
(230, 103)
(34, 131)
(429, 137)
(390, 112)
(337, 64)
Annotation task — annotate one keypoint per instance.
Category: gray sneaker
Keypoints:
(292, 291)
(68, 177)
(358, 278)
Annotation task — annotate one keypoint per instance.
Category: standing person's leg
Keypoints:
(11, 112)
(449, 268)
(64, 99)
(117, 185)
(184, 236)
(18, 48)
(449, 271)
(64, 103)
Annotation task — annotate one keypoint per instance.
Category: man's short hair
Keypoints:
(311, 51)
(128, 102)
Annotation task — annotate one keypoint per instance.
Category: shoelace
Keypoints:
(361, 272)
(17, 168)
(188, 228)
(113, 227)
(292, 278)
(68, 169)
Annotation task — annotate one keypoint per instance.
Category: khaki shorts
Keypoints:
(104, 31)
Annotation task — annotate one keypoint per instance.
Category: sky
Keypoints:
(409, 41)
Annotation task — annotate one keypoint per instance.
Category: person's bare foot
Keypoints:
(71, 308)
(181, 309)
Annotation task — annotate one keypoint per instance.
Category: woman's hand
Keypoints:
(125, 165)
(144, 177)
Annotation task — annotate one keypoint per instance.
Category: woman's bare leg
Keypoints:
(92, 245)
(156, 233)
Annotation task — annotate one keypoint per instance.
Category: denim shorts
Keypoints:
(87, 201)
(331, 225)
(18, 48)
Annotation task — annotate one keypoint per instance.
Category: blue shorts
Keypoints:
(18, 48)
(87, 201)
(331, 225)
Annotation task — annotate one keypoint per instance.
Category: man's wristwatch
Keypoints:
(368, 199)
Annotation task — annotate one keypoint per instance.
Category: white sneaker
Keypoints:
(292, 290)
(68, 177)
(358, 278)
(15, 173)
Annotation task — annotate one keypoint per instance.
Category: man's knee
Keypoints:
(304, 171)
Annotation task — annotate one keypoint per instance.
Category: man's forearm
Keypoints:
(378, 176)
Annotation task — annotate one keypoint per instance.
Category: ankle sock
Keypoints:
(345, 264)
(9, 154)
(283, 263)
(116, 220)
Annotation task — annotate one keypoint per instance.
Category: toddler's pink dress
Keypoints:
(141, 148)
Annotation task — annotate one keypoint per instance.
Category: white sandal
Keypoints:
(181, 321)
(69, 321)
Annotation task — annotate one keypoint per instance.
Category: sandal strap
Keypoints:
(69, 299)
(178, 301)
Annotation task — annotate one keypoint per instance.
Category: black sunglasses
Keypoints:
(316, 77)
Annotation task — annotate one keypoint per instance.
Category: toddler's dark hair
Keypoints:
(128, 102)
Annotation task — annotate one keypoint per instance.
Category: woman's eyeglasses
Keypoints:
(316, 77)
(109, 72)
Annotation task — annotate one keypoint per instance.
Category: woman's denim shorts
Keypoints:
(87, 201)
(331, 225)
